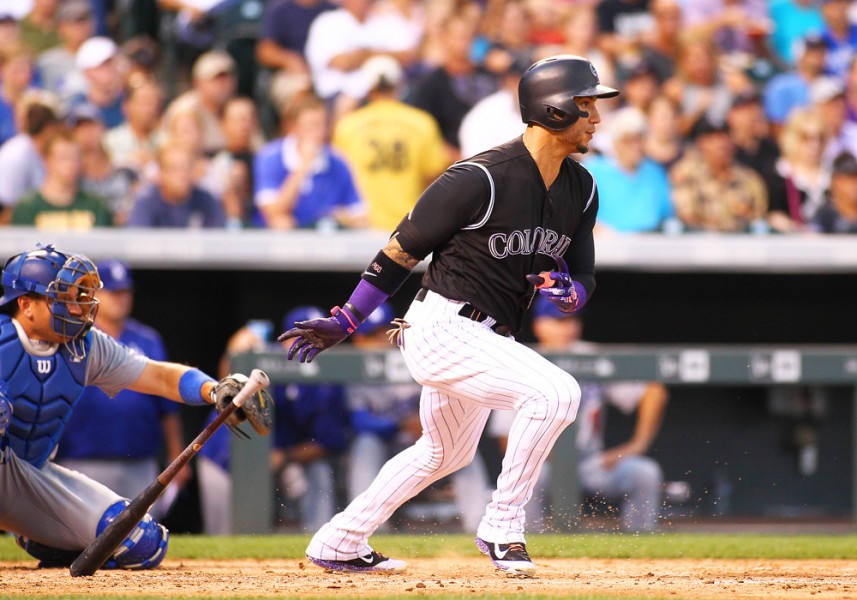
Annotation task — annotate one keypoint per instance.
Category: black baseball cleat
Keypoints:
(512, 558)
(371, 563)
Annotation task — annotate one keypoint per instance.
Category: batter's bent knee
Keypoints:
(557, 401)
(144, 548)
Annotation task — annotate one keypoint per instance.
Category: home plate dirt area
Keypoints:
(615, 577)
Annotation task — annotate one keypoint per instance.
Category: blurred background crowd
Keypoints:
(735, 115)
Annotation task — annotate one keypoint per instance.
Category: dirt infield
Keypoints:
(692, 579)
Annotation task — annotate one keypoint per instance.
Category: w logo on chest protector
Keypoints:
(43, 366)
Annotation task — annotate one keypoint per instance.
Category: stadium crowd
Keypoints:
(735, 116)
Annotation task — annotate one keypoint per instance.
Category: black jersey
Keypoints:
(489, 222)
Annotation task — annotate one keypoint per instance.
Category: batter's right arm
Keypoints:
(380, 280)
(439, 213)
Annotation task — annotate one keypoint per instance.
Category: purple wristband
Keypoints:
(365, 299)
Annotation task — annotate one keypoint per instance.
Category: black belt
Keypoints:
(469, 311)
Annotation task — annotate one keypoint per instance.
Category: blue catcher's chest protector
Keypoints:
(44, 390)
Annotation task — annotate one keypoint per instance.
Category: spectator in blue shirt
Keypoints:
(125, 454)
(174, 201)
(299, 181)
(790, 90)
(840, 35)
(634, 191)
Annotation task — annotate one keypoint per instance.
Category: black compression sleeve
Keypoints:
(386, 274)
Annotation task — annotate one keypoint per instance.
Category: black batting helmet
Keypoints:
(548, 88)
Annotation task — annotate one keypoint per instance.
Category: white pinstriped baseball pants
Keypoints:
(466, 370)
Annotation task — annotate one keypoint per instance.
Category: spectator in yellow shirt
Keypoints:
(394, 149)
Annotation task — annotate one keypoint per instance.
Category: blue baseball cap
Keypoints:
(379, 319)
(115, 275)
(542, 307)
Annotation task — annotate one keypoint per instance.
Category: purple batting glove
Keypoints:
(316, 335)
(558, 286)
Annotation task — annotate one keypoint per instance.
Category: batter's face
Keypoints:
(579, 135)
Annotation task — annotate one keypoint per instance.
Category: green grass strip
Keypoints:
(658, 545)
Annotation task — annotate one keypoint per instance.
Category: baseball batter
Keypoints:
(48, 353)
(500, 226)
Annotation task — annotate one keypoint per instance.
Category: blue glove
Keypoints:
(5, 407)
(559, 288)
(316, 335)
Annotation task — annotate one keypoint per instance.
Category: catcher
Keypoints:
(48, 352)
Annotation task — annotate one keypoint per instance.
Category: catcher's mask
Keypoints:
(548, 88)
(67, 281)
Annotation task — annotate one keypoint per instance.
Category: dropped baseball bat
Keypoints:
(103, 546)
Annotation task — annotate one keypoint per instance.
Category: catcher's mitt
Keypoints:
(257, 410)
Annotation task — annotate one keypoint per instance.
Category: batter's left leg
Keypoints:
(451, 430)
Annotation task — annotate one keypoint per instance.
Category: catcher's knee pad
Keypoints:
(49, 557)
(144, 548)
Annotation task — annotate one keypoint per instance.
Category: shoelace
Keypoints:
(518, 548)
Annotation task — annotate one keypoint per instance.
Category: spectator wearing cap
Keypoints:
(213, 84)
(57, 65)
(300, 182)
(339, 42)
(789, 90)
(119, 441)
(755, 147)
(16, 77)
(803, 178)
(174, 200)
(840, 35)
(839, 213)
(496, 118)
(22, 168)
(39, 26)
(394, 150)
(60, 203)
(633, 190)
(622, 473)
(827, 98)
(10, 29)
(99, 177)
(711, 190)
(385, 419)
(97, 60)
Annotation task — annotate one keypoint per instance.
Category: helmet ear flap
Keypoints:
(563, 118)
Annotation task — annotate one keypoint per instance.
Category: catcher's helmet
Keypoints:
(548, 88)
(66, 280)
